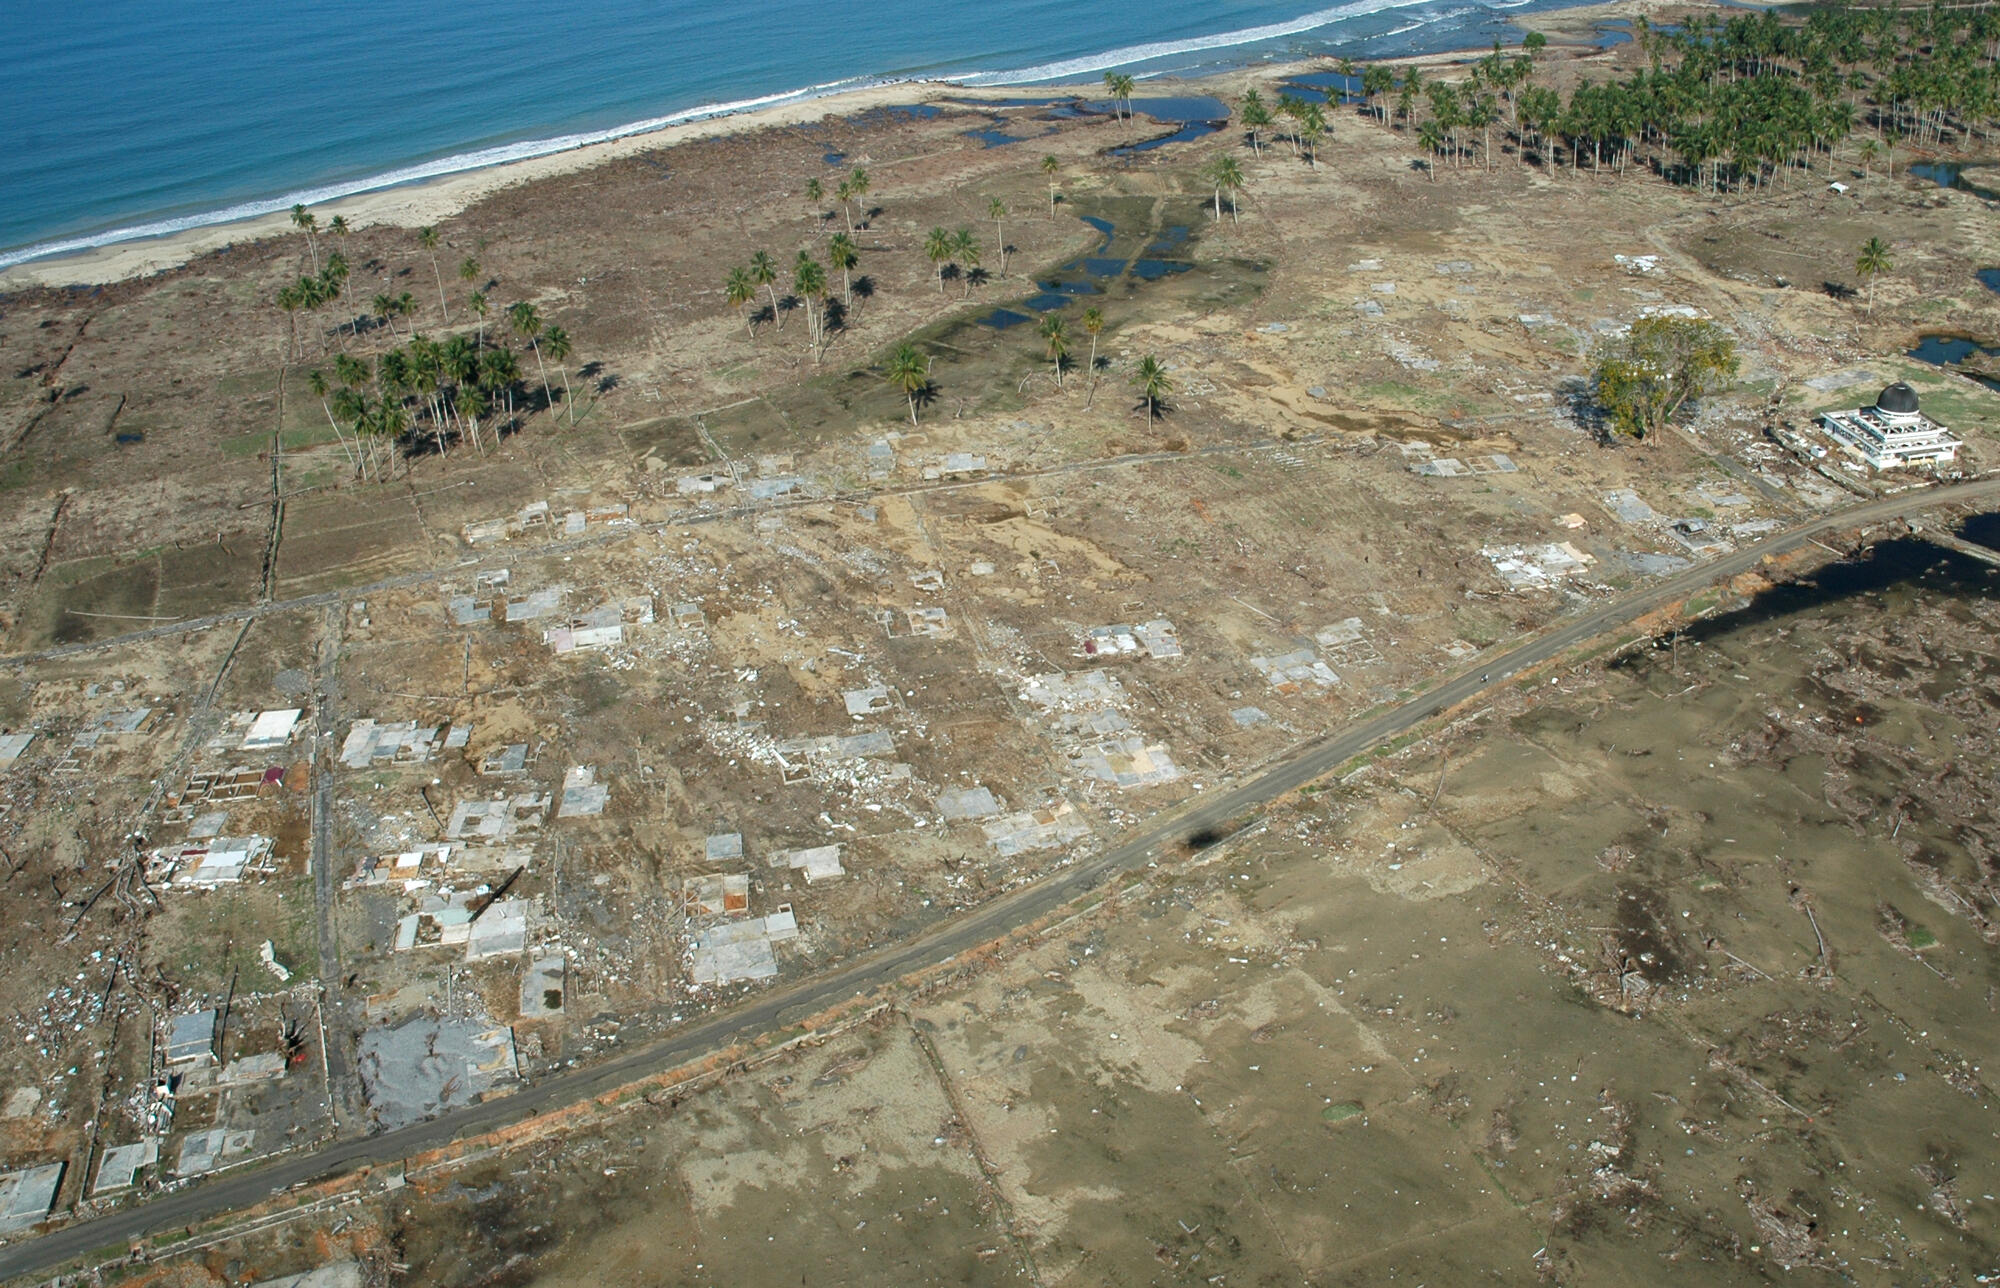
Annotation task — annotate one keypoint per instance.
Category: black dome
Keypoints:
(1898, 398)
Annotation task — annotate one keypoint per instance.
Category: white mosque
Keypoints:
(1892, 432)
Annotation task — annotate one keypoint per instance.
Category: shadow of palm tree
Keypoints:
(864, 288)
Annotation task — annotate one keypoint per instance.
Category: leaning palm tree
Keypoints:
(844, 255)
(1871, 263)
(384, 307)
(427, 237)
(556, 341)
(477, 303)
(528, 325)
(764, 272)
(321, 388)
(1225, 175)
(1154, 386)
(1093, 323)
(937, 249)
(306, 221)
(845, 192)
(741, 289)
(1049, 167)
(910, 372)
(996, 210)
(1055, 335)
(965, 249)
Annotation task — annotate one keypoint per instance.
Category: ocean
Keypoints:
(133, 118)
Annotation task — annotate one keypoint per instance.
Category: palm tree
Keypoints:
(289, 301)
(474, 405)
(556, 341)
(965, 249)
(815, 193)
(1121, 86)
(1869, 151)
(384, 307)
(765, 274)
(1055, 334)
(858, 184)
(1255, 117)
(427, 237)
(909, 372)
(1430, 135)
(846, 194)
(741, 289)
(1049, 167)
(339, 227)
(809, 284)
(937, 249)
(528, 325)
(468, 270)
(1093, 322)
(996, 210)
(1154, 386)
(477, 303)
(1312, 127)
(1225, 175)
(499, 371)
(1871, 263)
(306, 221)
(317, 382)
(406, 307)
(843, 254)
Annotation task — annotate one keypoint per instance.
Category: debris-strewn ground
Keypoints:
(736, 672)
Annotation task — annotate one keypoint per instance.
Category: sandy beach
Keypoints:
(432, 201)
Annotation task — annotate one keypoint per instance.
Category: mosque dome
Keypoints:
(1898, 400)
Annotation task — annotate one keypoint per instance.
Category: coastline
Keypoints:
(431, 201)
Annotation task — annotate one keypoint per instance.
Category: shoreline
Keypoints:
(416, 203)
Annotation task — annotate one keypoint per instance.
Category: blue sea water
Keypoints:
(131, 118)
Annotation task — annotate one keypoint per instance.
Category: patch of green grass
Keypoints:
(1921, 939)
(1340, 1111)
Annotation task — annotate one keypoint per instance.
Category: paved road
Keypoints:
(1212, 813)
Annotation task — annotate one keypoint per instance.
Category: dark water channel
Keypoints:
(1134, 255)
(1902, 563)
(1952, 174)
(1946, 350)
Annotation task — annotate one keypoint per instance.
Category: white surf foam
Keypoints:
(1169, 48)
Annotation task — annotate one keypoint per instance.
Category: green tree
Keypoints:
(965, 250)
(765, 274)
(528, 325)
(468, 270)
(910, 372)
(1534, 42)
(1093, 324)
(305, 221)
(846, 194)
(477, 303)
(815, 194)
(843, 254)
(809, 284)
(1155, 386)
(859, 184)
(1120, 87)
(1225, 175)
(741, 289)
(557, 342)
(937, 249)
(1049, 167)
(1256, 118)
(1642, 379)
(996, 210)
(321, 388)
(1055, 335)
(1871, 262)
(1312, 128)
(339, 227)
(427, 237)
(384, 307)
